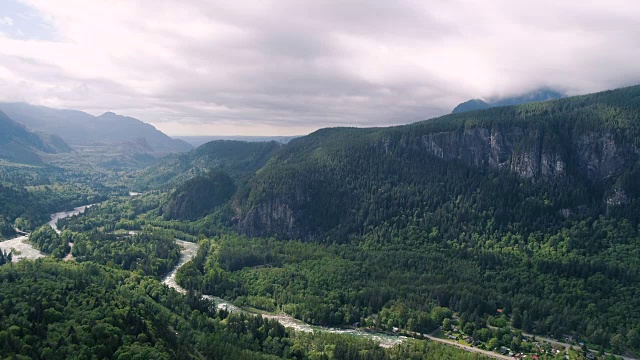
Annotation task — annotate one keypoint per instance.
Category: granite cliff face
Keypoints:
(276, 215)
(534, 154)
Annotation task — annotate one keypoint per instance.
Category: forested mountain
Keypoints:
(531, 208)
(495, 222)
(239, 159)
(80, 128)
(531, 164)
(198, 196)
(201, 140)
(535, 96)
(17, 144)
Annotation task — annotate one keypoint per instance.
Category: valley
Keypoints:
(455, 237)
(189, 250)
(20, 246)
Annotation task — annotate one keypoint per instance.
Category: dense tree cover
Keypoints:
(153, 251)
(558, 293)
(239, 159)
(56, 310)
(465, 237)
(29, 194)
(79, 311)
(50, 242)
(331, 346)
(198, 196)
(122, 213)
(28, 207)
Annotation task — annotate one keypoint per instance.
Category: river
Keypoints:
(65, 214)
(189, 250)
(22, 249)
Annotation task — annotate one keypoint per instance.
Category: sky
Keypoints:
(289, 67)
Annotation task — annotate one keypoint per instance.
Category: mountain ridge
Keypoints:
(83, 129)
(543, 94)
(589, 142)
(19, 144)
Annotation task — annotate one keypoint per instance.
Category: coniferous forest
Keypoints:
(497, 228)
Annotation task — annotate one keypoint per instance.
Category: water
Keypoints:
(189, 250)
(21, 249)
(65, 214)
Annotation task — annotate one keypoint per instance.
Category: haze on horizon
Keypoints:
(290, 67)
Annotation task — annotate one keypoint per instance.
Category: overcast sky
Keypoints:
(289, 67)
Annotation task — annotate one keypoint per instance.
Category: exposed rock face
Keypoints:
(617, 197)
(533, 154)
(275, 215)
(599, 156)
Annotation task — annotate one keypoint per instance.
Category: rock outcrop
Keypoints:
(533, 154)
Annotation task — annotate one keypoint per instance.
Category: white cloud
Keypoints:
(258, 67)
(6, 21)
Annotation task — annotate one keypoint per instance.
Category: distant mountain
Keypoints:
(239, 159)
(17, 144)
(535, 96)
(201, 140)
(79, 128)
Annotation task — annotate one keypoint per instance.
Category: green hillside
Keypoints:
(239, 159)
(532, 209)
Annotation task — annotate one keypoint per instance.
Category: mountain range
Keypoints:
(18, 144)
(201, 140)
(78, 128)
(533, 209)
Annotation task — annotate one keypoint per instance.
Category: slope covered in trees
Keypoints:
(198, 196)
(239, 159)
(65, 310)
(585, 148)
(532, 207)
(534, 96)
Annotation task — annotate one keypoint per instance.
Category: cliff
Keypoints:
(535, 154)
(547, 160)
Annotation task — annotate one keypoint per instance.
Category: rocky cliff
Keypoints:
(576, 156)
(535, 153)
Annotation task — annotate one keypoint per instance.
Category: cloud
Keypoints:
(5, 20)
(286, 67)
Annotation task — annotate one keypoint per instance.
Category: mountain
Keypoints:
(17, 144)
(535, 96)
(123, 128)
(199, 195)
(82, 129)
(531, 209)
(238, 159)
(579, 153)
(201, 140)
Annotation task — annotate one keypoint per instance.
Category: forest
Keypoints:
(92, 311)
(385, 229)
